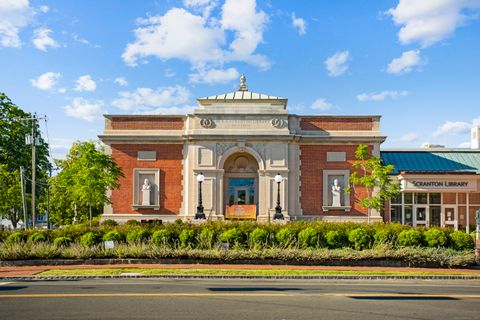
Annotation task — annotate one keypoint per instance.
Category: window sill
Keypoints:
(330, 208)
(154, 207)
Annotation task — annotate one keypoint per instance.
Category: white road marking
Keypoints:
(5, 283)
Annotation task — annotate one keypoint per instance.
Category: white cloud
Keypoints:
(430, 21)
(169, 73)
(213, 76)
(299, 24)
(380, 96)
(121, 81)
(14, 15)
(337, 64)
(455, 127)
(409, 137)
(321, 104)
(406, 62)
(465, 144)
(85, 83)
(84, 109)
(42, 39)
(200, 39)
(203, 6)
(46, 81)
(147, 100)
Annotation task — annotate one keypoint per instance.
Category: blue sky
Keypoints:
(416, 63)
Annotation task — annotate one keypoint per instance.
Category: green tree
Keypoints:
(87, 173)
(10, 195)
(374, 177)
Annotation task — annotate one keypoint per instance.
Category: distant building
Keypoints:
(240, 141)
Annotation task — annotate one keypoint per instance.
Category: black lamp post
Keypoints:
(278, 210)
(200, 214)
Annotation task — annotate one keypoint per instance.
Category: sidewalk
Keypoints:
(34, 270)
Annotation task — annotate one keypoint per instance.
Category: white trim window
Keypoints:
(329, 177)
(140, 175)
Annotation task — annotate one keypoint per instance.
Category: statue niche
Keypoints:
(243, 163)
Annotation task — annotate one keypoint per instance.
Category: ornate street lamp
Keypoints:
(200, 214)
(278, 210)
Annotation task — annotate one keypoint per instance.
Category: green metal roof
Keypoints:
(433, 161)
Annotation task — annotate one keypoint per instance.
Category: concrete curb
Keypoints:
(243, 277)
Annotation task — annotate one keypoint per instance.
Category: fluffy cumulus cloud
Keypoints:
(121, 81)
(337, 64)
(14, 15)
(321, 104)
(300, 24)
(85, 83)
(429, 21)
(42, 40)
(146, 100)
(214, 76)
(206, 42)
(87, 110)
(455, 127)
(46, 81)
(409, 137)
(406, 62)
(380, 96)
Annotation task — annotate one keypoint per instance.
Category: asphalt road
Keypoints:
(239, 299)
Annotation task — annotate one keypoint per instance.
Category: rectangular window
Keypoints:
(397, 199)
(435, 198)
(435, 214)
(421, 198)
(396, 213)
(408, 196)
(408, 215)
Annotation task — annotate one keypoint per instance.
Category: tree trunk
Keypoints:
(90, 210)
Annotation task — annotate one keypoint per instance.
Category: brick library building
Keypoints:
(242, 155)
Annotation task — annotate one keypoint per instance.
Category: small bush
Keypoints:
(335, 239)
(285, 237)
(308, 237)
(113, 235)
(383, 236)
(187, 237)
(461, 240)
(359, 238)
(410, 238)
(233, 236)
(137, 236)
(15, 237)
(258, 238)
(132, 223)
(435, 238)
(109, 223)
(90, 239)
(62, 241)
(206, 239)
(37, 237)
(162, 237)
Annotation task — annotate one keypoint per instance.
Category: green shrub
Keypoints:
(62, 241)
(37, 237)
(233, 236)
(461, 240)
(90, 239)
(410, 238)
(206, 239)
(137, 236)
(285, 237)
(109, 223)
(435, 238)
(132, 223)
(15, 237)
(258, 238)
(162, 237)
(383, 236)
(187, 237)
(359, 238)
(335, 239)
(113, 235)
(308, 237)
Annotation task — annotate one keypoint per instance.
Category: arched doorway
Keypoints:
(241, 195)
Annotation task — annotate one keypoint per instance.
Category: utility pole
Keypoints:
(24, 204)
(34, 168)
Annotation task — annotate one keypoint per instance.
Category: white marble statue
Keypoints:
(336, 194)
(146, 187)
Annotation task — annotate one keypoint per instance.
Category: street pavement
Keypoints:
(240, 299)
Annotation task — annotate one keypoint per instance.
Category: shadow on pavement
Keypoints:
(248, 289)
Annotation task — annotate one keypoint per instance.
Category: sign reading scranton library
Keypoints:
(459, 185)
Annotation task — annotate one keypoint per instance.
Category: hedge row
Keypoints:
(300, 235)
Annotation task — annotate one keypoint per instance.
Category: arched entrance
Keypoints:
(241, 181)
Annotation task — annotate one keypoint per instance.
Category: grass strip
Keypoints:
(236, 272)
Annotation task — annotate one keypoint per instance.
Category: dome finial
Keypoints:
(243, 85)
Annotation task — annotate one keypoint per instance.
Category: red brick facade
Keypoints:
(313, 161)
(169, 161)
(147, 123)
(336, 123)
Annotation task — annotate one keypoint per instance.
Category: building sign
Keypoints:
(439, 184)
(238, 211)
